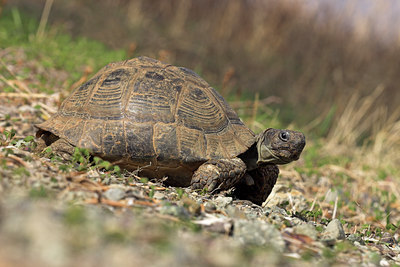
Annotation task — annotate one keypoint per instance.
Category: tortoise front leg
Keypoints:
(220, 174)
(257, 191)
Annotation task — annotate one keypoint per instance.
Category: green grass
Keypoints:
(55, 49)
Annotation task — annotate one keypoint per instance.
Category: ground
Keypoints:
(326, 209)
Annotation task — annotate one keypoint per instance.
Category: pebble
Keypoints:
(222, 202)
(355, 238)
(258, 233)
(159, 195)
(114, 194)
(282, 195)
(306, 229)
(209, 206)
(275, 214)
(334, 230)
(174, 210)
(234, 212)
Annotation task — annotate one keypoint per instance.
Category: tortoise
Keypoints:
(167, 122)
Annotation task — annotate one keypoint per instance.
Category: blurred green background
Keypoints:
(307, 62)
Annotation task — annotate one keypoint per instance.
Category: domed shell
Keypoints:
(142, 111)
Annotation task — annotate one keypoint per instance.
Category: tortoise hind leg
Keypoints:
(58, 145)
(220, 174)
(63, 149)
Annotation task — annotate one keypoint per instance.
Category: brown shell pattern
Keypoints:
(143, 110)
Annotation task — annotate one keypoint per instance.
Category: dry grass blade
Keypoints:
(8, 69)
(48, 111)
(120, 204)
(255, 110)
(335, 208)
(353, 122)
(79, 180)
(10, 83)
(44, 18)
(15, 83)
(364, 121)
(23, 95)
(16, 159)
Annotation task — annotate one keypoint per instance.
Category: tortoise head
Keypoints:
(275, 146)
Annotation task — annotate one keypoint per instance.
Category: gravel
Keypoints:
(334, 230)
(258, 233)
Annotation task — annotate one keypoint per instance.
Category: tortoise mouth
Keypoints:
(268, 156)
(274, 160)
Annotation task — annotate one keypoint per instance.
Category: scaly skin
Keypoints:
(60, 146)
(264, 180)
(220, 174)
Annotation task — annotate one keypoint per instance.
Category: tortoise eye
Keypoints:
(284, 136)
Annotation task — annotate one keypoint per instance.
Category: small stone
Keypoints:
(251, 214)
(384, 262)
(334, 230)
(275, 214)
(209, 206)
(222, 202)
(174, 210)
(234, 212)
(354, 238)
(222, 228)
(216, 224)
(192, 206)
(274, 209)
(306, 229)
(159, 195)
(259, 233)
(115, 194)
(282, 195)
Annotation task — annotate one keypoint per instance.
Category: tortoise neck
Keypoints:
(250, 157)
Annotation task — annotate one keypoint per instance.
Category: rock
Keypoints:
(222, 202)
(159, 195)
(191, 205)
(175, 210)
(284, 196)
(234, 212)
(306, 229)
(216, 224)
(334, 230)
(114, 194)
(209, 206)
(354, 238)
(275, 214)
(251, 214)
(258, 233)
(271, 210)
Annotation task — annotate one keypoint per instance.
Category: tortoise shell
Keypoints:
(142, 112)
